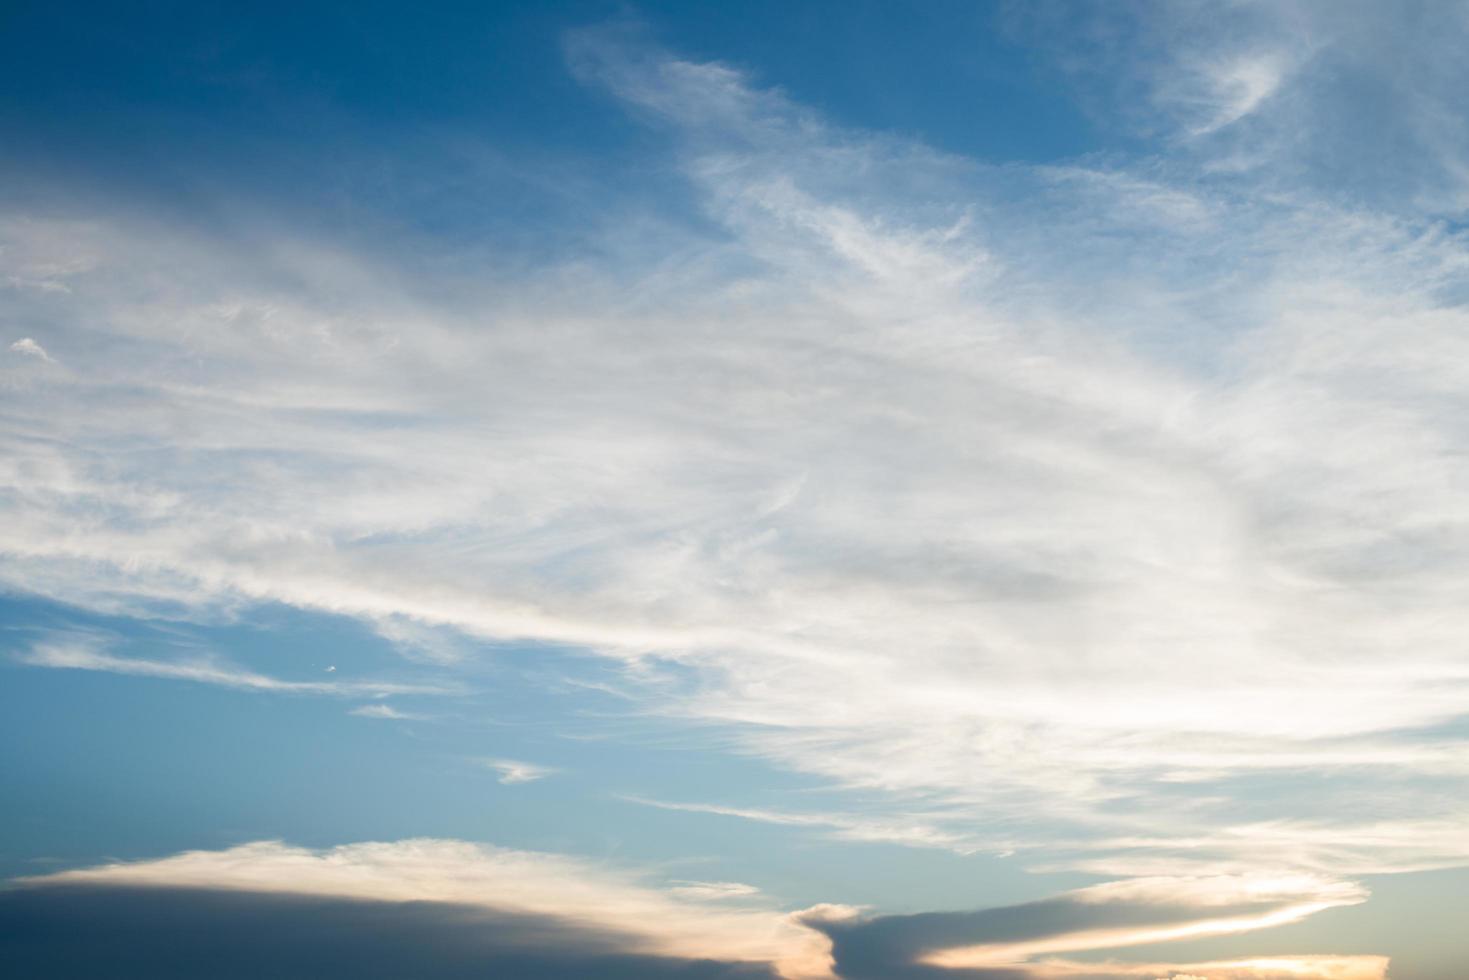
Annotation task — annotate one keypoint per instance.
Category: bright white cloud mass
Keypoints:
(1108, 515)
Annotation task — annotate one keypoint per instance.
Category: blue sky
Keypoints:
(744, 490)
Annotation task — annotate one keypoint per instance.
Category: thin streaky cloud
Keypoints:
(384, 711)
(909, 831)
(83, 656)
(716, 891)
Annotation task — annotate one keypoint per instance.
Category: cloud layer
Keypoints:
(1073, 511)
(638, 915)
(153, 932)
(497, 904)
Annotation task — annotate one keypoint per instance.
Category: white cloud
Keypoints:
(383, 711)
(512, 772)
(1238, 87)
(1353, 103)
(910, 830)
(30, 348)
(942, 483)
(84, 654)
(1248, 81)
(717, 891)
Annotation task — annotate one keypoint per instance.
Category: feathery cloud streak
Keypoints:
(995, 491)
(83, 654)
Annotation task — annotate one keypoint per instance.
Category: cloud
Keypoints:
(910, 831)
(383, 711)
(525, 903)
(713, 890)
(1261, 968)
(1240, 86)
(30, 348)
(1071, 511)
(512, 772)
(1354, 104)
(83, 654)
(1154, 910)
(88, 931)
(1023, 941)
(636, 916)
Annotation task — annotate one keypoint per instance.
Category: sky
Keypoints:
(818, 491)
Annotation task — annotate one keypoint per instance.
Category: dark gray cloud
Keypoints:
(61, 932)
(891, 947)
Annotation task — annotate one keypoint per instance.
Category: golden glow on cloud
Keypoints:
(732, 921)
(1271, 968)
(1285, 899)
(668, 921)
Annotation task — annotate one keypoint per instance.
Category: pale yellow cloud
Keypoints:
(1271, 968)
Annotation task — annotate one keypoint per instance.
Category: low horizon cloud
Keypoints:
(733, 922)
(596, 897)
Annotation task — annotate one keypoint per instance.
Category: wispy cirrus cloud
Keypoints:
(1283, 93)
(910, 831)
(716, 891)
(86, 654)
(384, 711)
(938, 482)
